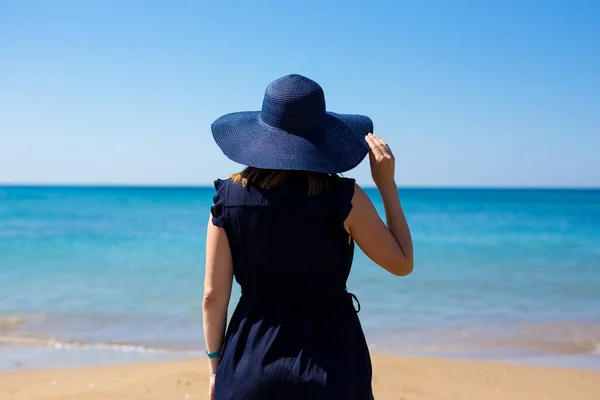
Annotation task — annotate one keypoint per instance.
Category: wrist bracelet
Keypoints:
(216, 354)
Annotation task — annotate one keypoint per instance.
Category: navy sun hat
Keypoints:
(293, 131)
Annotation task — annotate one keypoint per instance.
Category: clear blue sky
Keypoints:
(468, 93)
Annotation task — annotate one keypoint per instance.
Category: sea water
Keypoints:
(93, 275)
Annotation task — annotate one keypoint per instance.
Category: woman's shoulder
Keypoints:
(346, 186)
(231, 193)
(220, 183)
(346, 180)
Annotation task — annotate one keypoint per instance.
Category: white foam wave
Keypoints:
(59, 344)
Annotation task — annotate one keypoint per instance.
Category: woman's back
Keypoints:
(285, 239)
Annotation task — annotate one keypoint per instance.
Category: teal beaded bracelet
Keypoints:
(216, 354)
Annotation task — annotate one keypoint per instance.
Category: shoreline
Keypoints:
(22, 358)
(394, 377)
(35, 342)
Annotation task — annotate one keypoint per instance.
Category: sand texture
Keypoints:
(407, 378)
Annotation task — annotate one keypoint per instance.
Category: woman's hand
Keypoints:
(383, 164)
(211, 387)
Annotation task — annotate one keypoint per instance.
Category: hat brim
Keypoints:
(341, 146)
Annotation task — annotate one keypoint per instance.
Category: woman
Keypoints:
(285, 227)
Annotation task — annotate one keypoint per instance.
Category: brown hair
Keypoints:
(269, 178)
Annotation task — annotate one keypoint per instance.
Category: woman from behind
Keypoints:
(285, 228)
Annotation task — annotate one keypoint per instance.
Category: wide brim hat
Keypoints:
(293, 131)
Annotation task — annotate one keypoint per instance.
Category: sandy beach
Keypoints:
(395, 377)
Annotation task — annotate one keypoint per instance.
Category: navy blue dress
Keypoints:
(295, 332)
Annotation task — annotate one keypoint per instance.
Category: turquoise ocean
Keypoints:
(93, 275)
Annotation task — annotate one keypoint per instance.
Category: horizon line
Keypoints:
(208, 185)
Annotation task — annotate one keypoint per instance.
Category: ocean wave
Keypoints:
(14, 331)
(12, 322)
(73, 344)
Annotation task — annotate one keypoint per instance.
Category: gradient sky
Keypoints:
(468, 93)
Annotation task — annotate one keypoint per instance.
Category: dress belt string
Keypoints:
(353, 298)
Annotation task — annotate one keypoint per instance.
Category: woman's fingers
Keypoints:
(385, 148)
(375, 147)
(380, 140)
(371, 154)
(379, 147)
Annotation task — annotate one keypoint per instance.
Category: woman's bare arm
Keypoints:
(389, 246)
(217, 290)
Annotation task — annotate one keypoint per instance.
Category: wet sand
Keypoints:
(395, 377)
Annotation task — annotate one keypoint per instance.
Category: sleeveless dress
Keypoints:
(295, 333)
